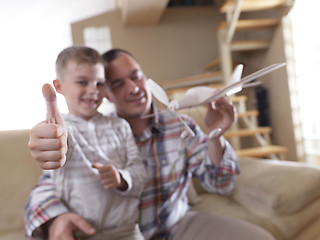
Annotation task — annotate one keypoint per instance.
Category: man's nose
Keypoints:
(133, 87)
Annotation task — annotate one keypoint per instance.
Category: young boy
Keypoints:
(103, 179)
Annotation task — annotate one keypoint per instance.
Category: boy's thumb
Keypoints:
(53, 113)
(97, 165)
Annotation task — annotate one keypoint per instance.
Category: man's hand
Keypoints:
(110, 176)
(48, 139)
(223, 115)
(65, 225)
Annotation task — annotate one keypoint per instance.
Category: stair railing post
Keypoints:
(232, 19)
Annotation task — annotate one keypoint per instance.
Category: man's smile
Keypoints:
(138, 98)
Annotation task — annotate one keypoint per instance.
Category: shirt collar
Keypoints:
(155, 125)
(155, 121)
(76, 119)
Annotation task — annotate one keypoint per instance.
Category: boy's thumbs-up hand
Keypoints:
(48, 139)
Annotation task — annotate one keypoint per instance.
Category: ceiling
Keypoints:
(134, 12)
(148, 13)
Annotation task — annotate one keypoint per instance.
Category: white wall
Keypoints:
(179, 46)
(32, 33)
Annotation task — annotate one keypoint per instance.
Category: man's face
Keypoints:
(82, 85)
(126, 87)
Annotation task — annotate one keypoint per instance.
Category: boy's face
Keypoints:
(82, 85)
(126, 87)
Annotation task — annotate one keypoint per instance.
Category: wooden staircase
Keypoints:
(248, 128)
(247, 138)
(228, 31)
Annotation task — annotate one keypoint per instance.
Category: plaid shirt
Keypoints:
(170, 162)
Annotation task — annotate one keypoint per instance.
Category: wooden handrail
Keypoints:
(251, 24)
(192, 80)
(256, 5)
(234, 17)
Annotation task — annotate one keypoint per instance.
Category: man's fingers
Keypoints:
(82, 225)
(64, 226)
(226, 106)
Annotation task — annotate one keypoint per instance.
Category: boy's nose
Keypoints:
(93, 88)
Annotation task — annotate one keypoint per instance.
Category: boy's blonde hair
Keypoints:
(78, 54)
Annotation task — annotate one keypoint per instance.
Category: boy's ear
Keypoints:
(57, 86)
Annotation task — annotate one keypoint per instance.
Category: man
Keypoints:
(170, 162)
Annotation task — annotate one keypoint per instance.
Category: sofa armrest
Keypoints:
(283, 187)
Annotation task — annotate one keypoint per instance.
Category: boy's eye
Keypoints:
(82, 83)
(100, 84)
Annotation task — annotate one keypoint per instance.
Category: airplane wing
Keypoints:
(235, 77)
(243, 81)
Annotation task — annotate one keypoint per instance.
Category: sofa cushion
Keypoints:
(14, 235)
(280, 186)
(192, 194)
(19, 173)
(282, 227)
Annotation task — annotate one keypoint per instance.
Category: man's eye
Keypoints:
(137, 75)
(117, 84)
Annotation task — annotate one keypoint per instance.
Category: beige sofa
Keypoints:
(282, 197)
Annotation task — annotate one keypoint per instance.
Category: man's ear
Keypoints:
(57, 86)
(106, 94)
(107, 97)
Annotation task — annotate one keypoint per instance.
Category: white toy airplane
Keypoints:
(197, 96)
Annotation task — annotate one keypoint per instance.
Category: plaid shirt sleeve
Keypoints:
(41, 206)
(214, 179)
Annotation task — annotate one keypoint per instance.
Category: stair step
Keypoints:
(217, 64)
(251, 24)
(212, 64)
(200, 79)
(195, 79)
(256, 5)
(240, 98)
(249, 45)
(250, 113)
(260, 152)
(248, 132)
